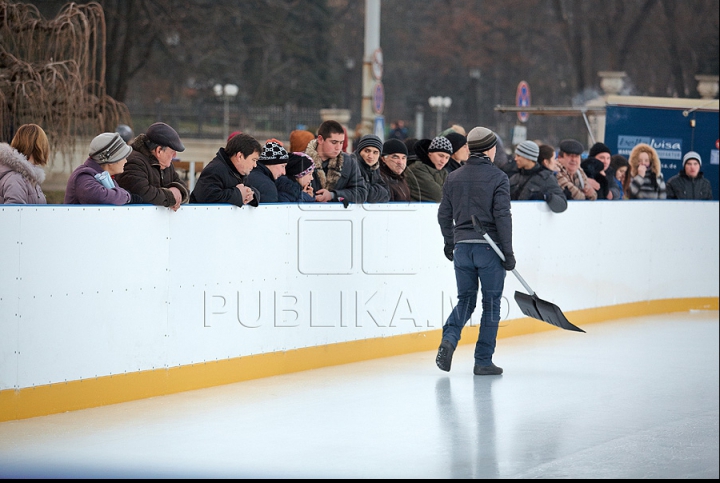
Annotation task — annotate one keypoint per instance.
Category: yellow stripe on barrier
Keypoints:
(88, 393)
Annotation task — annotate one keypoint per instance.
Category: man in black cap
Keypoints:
(149, 172)
(477, 188)
(571, 178)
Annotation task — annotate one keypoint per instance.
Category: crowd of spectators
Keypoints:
(122, 169)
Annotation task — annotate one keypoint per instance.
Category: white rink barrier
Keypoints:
(88, 292)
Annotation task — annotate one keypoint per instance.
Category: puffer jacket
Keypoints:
(143, 176)
(683, 187)
(538, 183)
(648, 187)
(20, 180)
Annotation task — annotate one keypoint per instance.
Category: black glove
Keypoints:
(136, 199)
(449, 247)
(509, 263)
(536, 195)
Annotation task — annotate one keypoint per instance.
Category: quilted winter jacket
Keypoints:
(20, 180)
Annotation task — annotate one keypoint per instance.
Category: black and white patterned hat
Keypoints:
(273, 153)
(440, 144)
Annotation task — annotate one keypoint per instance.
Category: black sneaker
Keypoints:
(444, 356)
(491, 370)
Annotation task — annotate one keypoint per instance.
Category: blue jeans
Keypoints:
(473, 262)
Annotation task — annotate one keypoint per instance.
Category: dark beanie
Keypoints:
(163, 135)
(598, 148)
(457, 140)
(481, 139)
(394, 146)
(273, 153)
(299, 164)
(369, 140)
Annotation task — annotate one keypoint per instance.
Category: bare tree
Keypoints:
(52, 73)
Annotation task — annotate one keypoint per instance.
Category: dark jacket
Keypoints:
(377, 190)
(593, 168)
(452, 165)
(263, 181)
(340, 175)
(538, 183)
(396, 183)
(482, 189)
(217, 183)
(425, 180)
(290, 191)
(143, 176)
(683, 187)
(84, 189)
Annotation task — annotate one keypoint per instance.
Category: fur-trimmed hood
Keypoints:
(138, 144)
(13, 161)
(335, 165)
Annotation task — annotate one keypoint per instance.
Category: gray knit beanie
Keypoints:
(481, 139)
(528, 150)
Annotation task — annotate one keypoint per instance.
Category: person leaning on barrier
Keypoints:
(689, 183)
(92, 182)
(296, 185)
(393, 168)
(223, 179)
(571, 177)
(482, 190)
(21, 163)
(149, 171)
(429, 175)
(337, 175)
(533, 181)
(270, 166)
(367, 155)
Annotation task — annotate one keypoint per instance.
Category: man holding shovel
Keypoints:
(477, 188)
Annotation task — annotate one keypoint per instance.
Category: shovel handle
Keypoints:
(481, 229)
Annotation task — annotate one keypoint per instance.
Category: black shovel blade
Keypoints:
(535, 307)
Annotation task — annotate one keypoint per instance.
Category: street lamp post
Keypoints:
(440, 105)
(226, 93)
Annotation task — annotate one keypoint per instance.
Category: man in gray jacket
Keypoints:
(477, 188)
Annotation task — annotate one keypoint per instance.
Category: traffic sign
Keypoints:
(377, 64)
(378, 97)
(522, 99)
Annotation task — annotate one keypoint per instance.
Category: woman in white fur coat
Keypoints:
(21, 162)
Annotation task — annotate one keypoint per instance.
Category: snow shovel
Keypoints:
(531, 305)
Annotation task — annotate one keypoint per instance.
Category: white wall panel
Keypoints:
(93, 291)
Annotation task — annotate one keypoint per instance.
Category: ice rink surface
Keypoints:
(634, 398)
